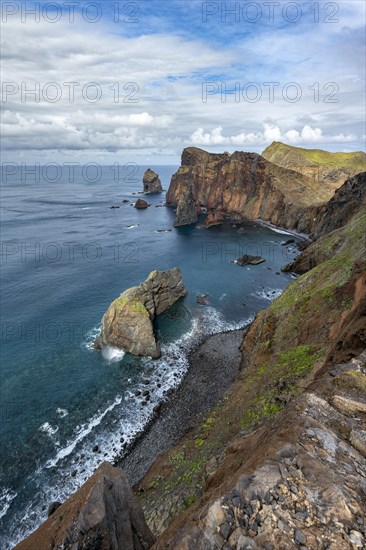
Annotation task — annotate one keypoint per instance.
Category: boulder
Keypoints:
(128, 322)
(151, 181)
(253, 260)
(103, 514)
(140, 203)
(202, 299)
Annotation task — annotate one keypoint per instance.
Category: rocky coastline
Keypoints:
(245, 452)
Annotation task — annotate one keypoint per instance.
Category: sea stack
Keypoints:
(151, 181)
(128, 322)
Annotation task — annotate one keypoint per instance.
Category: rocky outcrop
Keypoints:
(104, 514)
(186, 208)
(151, 181)
(141, 204)
(328, 169)
(128, 322)
(244, 186)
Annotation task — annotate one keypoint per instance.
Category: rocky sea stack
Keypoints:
(151, 181)
(128, 322)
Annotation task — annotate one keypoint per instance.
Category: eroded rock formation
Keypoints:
(151, 181)
(128, 322)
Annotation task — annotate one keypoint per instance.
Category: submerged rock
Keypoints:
(103, 514)
(202, 299)
(252, 260)
(140, 203)
(128, 322)
(151, 181)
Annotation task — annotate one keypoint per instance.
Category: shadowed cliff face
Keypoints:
(247, 186)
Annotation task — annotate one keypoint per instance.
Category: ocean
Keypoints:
(65, 256)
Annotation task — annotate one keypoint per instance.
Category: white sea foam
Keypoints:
(112, 355)
(6, 498)
(271, 294)
(91, 337)
(61, 412)
(48, 429)
(83, 431)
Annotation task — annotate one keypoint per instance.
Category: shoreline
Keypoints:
(213, 366)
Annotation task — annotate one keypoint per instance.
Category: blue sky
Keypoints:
(151, 77)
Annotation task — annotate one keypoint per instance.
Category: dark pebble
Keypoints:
(95, 449)
(299, 537)
(225, 530)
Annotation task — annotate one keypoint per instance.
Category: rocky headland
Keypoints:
(243, 186)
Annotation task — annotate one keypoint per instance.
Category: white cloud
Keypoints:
(271, 133)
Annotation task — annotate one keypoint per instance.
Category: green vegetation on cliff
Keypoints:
(283, 349)
(282, 154)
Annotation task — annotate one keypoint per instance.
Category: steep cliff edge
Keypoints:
(270, 464)
(346, 202)
(329, 169)
(246, 186)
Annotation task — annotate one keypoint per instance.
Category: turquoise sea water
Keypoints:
(65, 256)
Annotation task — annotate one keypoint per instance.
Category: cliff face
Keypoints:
(286, 435)
(327, 169)
(346, 202)
(246, 186)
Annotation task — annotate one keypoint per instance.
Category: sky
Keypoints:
(137, 81)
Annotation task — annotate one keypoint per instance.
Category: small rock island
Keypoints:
(151, 181)
(128, 322)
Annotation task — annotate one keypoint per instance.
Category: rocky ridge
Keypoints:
(329, 169)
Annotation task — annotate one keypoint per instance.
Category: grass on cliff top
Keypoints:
(354, 160)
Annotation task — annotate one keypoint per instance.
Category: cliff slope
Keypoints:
(329, 169)
(270, 466)
(246, 186)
